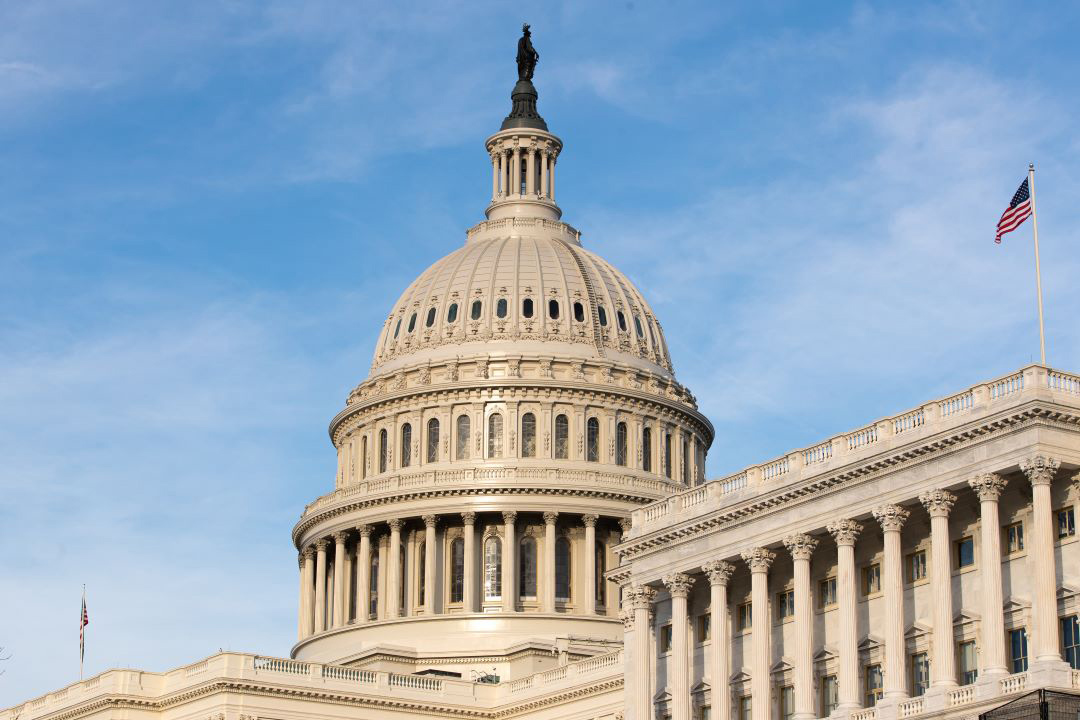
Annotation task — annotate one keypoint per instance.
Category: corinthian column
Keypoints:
(801, 548)
(363, 575)
(988, 487)
(469, 589)
(1040, 472)
(759, 560)
(719, 573)
(429, 563)
(678, 586)
(548, 604)
(845, 532)
(891, 518)
(307, 590)
(943, 668)
(320, 584)
(590, 564)
(641, 598)
(509, 586)
(393, 569)
(339, 577)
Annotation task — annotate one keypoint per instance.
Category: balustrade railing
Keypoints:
(961, 696)
(292, 667)
(415, 682)
(1014, 683)
(909, 708)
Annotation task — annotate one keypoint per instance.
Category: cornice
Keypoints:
(1035, 412)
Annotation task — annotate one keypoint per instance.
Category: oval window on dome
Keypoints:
(397, 328)
(430, 317)
(553, 309)
(475, 312)
(500, 307)
(412, 322)
(603, 315)
(527, 307)
(637, 326)
(579, 312)
(622, 320)
(451, 314)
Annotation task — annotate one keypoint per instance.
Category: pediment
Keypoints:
(782, 665)
(1067, 591)
(741, 676)
(917, 630)
(664, 696)
(966, 616)
(826, 653)
(701, 687)
(1016, 605)
(870, 642)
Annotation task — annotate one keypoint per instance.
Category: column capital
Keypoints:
(550, 517)
(845, 531)
(395, 524)
(758, 559)
(341, 537)
(321, 544)
(678, 584)
(469, 518)
(937, 502)
(988, 486)
(891, 517)
(625, 523)
(627, 617)
(1075, 481)
(800, 545)
(718, 571)
(509, 516)
(1040, 469)
(642, 597)
(308, 552)
(430, 520)
(589, 520)
(365, 530)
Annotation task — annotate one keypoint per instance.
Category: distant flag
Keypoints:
(1018, 211)
(84, 620)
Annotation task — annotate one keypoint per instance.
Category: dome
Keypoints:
(522, 286)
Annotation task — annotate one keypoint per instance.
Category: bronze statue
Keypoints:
(526, 55)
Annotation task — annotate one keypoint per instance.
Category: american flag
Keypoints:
(1017, 212)
(84, 620)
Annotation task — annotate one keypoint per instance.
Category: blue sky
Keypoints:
(206, 209)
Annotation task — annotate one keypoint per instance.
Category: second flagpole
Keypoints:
(1038, 275)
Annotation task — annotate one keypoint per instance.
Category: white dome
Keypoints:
(522, 286)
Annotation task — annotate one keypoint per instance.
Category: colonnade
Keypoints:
(639, 603)
(536, 164)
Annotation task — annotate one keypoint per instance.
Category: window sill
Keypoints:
(917, 583)
(966, 569)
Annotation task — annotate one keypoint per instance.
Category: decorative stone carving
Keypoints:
(513, 368)
(364, 530)
(545, 368)
(425, 375)
(758, 559)
(1040, 469)
(844, 531)
(719, 572)
(678, 584)
(395, 523)
(627, 617)
(891, 517)
(430, 520)
(988, 486)
(577, 369)
(589, 520)
(625, 524)
(321, 544)
(399, 381)
(547, 440)
(642, 597)
(509, 516)
(550, 517)
(607, 375)
(481, 368)
(801, 546)
(937, 502)
(452, 371)
(469, 518)
(341, 537)
(308, 552)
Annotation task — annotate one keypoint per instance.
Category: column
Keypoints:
(363, 575)
(304, 605)
(801, 548)
(988, 487)
(530, 173)
(548, 604)
(553, 177)
(678, 586)
(494, 176)
(393, 569)
(719, 573)
(502, 173)
(943, 666)
(469, 595)
(759, 560)
(589, 521)
(543, 174)
(891, 518)
(515, 174)
(320, 584)
(509, 584)
(1040, 472)
(339, 578)
(429, 563)
(845, 531)
(642, 599)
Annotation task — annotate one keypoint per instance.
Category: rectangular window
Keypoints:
(1066, 518)
(665, 638)
(965, 552)
(916, 566)
(1018, 656)
(704, 627)
(745, 618)
(871, 579)
(968, 664)
(705, 713)
(787, 702)
(873, 685)
(830, 696)
(827, 592)
(745, 709)
(920, 674)
(1070, 640)
(785, 605)
(1014, 538)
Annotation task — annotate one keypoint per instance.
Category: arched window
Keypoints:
(553, 309)
(500, 308)
(412, 322)
(492, 568)
(397, 328)
(620, 444)
(495, 435)
(637, 327)
(462, 452)
(646, 449)
(363, 457)
(457, 570)
(430, 317)
(527, 568)
(528, 435)
(562, 569)
(373, 585)
(562, 437)
(406, 445)
(592, 440)
(477, 306)
(667, 455)
(433, 440)
(384, 451)
(451, 313)
(685, 461)
(602, 313)
(579, 312)
(601, 568)
(421, 568)
(622, 320)
(527, 307)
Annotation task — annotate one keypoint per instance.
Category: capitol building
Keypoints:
(520, 525)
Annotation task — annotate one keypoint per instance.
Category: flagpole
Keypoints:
(82, 629)
(1038, 275)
